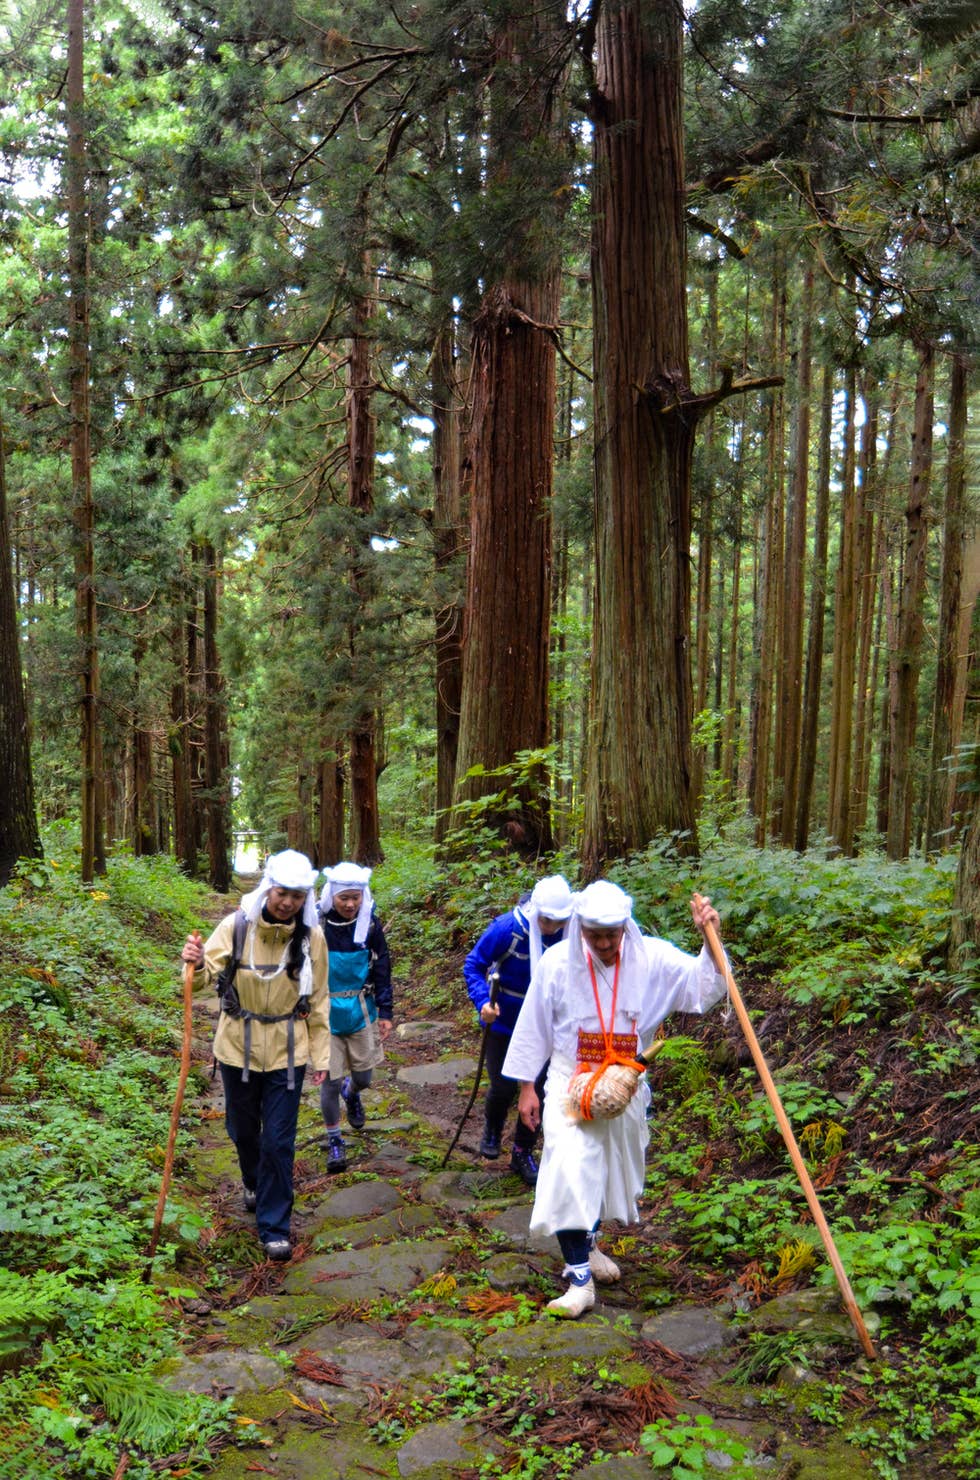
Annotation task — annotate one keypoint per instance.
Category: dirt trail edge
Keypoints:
(405, 1337)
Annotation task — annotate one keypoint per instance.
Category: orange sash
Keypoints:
(615, 1048)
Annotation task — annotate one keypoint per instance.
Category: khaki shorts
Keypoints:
(355, 1051)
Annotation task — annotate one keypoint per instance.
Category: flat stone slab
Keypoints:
(689, 1330)
(470, 1189)
(366, 1356)
(442, 1448)
(335, 1451)
(812, 1312)
(512, 1224)
(619, 1467)
(360, 1200)
(549, 1339)
(510, 1272)
(389, 1125)
(365, 1274)
(225, 1371)
(420, 1030)
(443, 1071)
(398, 1224)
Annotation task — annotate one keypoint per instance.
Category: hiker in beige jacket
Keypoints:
(274, 1021)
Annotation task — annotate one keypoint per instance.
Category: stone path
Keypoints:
(405, 1338)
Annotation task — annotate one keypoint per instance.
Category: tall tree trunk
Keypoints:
(143, 820)
(19, 836)
(818, 611)
(510, 449)
(83, 510)
(330, 798)
(947, 709)
(447, 534)
(179, 740)
(216, 760)
(363, 747)
(866, 576)
(638, 779)
(964, 934)
(790, 687)
(730, 745)
(840, 815)
(769, 587)
(889, 580)
(908, 658)
(705, 550)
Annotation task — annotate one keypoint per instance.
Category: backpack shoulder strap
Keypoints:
(239, 930)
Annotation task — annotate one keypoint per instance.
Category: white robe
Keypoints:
(594, 1169)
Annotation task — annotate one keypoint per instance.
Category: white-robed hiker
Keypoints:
(598, 996)
(497, 972)
(274, 1021)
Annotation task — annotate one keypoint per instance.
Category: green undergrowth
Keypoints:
(90, 1026)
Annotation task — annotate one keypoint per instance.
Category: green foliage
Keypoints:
(767, 1353)
(89, 1026)
(750, 1216)
(691, 1447)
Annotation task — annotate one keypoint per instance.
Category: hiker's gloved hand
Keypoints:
(193, 951)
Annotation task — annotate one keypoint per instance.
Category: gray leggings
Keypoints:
(330, 1093)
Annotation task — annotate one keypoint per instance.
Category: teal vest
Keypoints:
(352, 1006)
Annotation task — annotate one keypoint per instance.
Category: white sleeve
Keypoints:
(678, 983)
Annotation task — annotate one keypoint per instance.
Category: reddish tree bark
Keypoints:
(508, 468)
(908, 656)
(83, 509)
(638, 779)
(19, 836)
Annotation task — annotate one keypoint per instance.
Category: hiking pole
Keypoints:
(494, 979)
(782, 1120)
(168, 1160)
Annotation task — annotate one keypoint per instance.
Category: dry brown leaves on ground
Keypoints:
(312, 1366)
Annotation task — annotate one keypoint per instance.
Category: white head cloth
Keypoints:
(552, 898)
(290, 870)
(605, 906)
(350, 876)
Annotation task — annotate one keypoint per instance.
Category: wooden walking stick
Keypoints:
(168, 1160)
(782, 1120)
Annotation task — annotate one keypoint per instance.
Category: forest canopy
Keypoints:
(557, 424)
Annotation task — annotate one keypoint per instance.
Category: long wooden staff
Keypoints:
(782, 1120)
(168, 1160)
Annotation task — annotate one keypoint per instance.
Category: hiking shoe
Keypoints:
(576, 1300)
(604, 1271)
(278, 1249)
(353, 1104)
(490, 1145)
(336, 1155)
(249, 1199)
(523, 1163)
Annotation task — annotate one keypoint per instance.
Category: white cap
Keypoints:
(603, 905)
(552, 898)
(287, 870)
(344, 876)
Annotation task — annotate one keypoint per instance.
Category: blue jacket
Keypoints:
(505, 947)
(373, 970)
